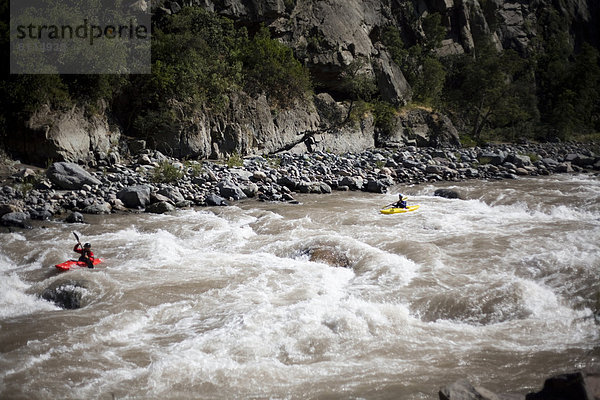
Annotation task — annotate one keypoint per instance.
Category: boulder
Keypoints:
(41, 215)
(250, 189)
(564, 167)
(519, 160)
(214, 200)
(157, 198)
(172, 193)
(572, 386)
(135, 196)
(447, 193)
(491, 158)
(70, 176)
(353, 182)
(65, 294)
(74, 217)
(289, 182)
(160, 208)
(329, 255)
(230, 190)
(66, 135)
(378, 185)
(463, 390)
(101, 207)
(17, 219)
(9, 208)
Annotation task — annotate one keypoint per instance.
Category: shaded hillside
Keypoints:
(257, 77)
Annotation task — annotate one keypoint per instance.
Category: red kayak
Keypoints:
(74, 263)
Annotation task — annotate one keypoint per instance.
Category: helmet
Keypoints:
(87, 246)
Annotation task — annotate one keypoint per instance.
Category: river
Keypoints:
(225, 303)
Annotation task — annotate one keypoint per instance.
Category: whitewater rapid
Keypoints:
(500, 288)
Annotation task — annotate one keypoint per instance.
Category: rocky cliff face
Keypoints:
(327, 36)
(72, 135)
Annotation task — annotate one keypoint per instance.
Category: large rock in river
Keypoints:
(135, 196)
(65, 294)
(70, 176)
(18, 219)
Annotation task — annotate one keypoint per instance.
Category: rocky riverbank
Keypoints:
(575, 385)
(152, 182)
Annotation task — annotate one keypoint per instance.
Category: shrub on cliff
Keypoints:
(166, 172)
(269, 68)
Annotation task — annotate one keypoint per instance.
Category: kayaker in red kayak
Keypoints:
(87, 255)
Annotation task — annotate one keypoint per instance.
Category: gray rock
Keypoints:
(377, 185)
(17, 219)
(172, 193)
(41, 215)
(519, 160)
(583, 161)
(392, 84)
(136, 146)
(214, 200)
(491, 158)
(69, 135)
(463, 390)
(157, 198)
(67, 294)
(572, 386)
(9, 208)
(160, 208)
(331, 112)
(459, 390)
(550, 162)
(230, 190)
(289, 182)
(421, 128)
(250, 189)
(70, 176)
(74, 217)
(447, 193)
(98, 208)
(564, 167)
(135, 196)
(324, 187)
(437, 170)
(353, 182)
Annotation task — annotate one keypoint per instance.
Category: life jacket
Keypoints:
(88, 253)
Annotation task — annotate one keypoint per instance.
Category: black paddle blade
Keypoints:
(76, 237)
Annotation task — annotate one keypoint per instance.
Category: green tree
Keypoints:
(419, 63)
(491, 90)
(553, 74)
(269, 68)
(586, 85)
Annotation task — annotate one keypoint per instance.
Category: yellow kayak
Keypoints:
(393, 210)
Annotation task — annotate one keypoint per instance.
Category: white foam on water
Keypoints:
(204, 302)
(15, 298)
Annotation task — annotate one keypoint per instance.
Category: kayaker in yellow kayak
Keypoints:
(401, 203)
(399, 206)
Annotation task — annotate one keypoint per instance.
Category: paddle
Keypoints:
(89, 262)
(389, 205)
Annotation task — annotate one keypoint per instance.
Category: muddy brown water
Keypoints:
(499, 288)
